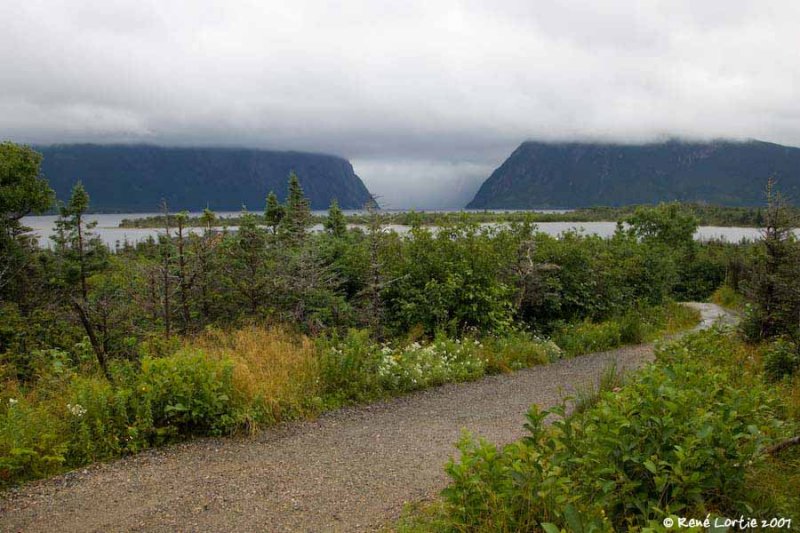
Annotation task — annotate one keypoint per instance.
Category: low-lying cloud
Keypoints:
(424, 97)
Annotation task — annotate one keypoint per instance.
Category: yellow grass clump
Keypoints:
(275, 370)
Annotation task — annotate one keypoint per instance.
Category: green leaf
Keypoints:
(573, 519)
(550, 528)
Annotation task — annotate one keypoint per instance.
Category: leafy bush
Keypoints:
(679, 439)
(98, 421)
(447, 281)
(31, 441)
(781, 358)
(356, 368)
(349, 367)
(637, 326)
(189, 393)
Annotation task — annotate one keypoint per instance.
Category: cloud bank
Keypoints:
(425, 98)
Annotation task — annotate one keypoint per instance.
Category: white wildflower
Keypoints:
(12, 402)
(76, 410)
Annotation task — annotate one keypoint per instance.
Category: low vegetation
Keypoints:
(235, 381)
(705, 214)
(687, 437)
(709, 430)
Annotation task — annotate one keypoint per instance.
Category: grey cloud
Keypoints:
(425, 97)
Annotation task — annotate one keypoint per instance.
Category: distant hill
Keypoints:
(564, 175)
(130, 178)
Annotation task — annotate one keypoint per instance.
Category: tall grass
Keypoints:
(238, 380)
(275, 374)
(728, 298)
(637, 326)
(611, 380)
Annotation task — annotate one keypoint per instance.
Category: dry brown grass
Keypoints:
(274, 368)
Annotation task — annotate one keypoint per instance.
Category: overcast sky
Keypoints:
(425, 97)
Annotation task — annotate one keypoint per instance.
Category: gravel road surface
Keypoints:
(350, 470)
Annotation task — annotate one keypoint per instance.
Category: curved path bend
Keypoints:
(350, 470)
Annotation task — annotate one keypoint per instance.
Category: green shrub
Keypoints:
(31, 440)
(641, 324)
(585, 337)
(189, 393)
(97, 418)
(727, 297)
(517, 350)
(349, 367)
(781, 358)
(680, 438)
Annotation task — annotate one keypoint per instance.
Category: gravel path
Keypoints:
(350, 470)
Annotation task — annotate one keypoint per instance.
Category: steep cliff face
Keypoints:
(553, 175)
(128, 178)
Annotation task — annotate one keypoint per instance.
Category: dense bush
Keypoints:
(355, 368)
(781, 358)
(679, 439)
(32, 440)
(74, 420)
(349, 367)
(189, 393)
(448, 280)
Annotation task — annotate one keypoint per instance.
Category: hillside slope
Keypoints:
(553, 175)
(129, 178)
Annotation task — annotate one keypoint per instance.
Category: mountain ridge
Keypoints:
(134, 177)
(584, 174)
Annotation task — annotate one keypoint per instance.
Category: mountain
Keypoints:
(564, 175)
(131, 178)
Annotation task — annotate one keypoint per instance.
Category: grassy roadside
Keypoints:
(237, 381)
(685, 437)
(729, 299)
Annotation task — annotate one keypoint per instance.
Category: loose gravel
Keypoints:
(350, 470)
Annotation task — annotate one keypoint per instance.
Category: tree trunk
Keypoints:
(97, 347)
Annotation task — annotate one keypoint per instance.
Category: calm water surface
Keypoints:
(109, 231)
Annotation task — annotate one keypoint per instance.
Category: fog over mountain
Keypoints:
(424, 98)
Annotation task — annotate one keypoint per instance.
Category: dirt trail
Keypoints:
(350, 470)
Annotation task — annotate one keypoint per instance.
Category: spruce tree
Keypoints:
(336, 224)
(81, 253)
(298, 212)
(273, 214)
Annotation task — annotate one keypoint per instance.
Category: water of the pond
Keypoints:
(109, 231)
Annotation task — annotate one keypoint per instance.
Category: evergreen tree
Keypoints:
(248, 263)
(81, 253)
(273, 214)
(22, 192)
(203, 249)
(185, 275)
(298, 212)
(208, 218)
(336, 224)
(773, 287)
